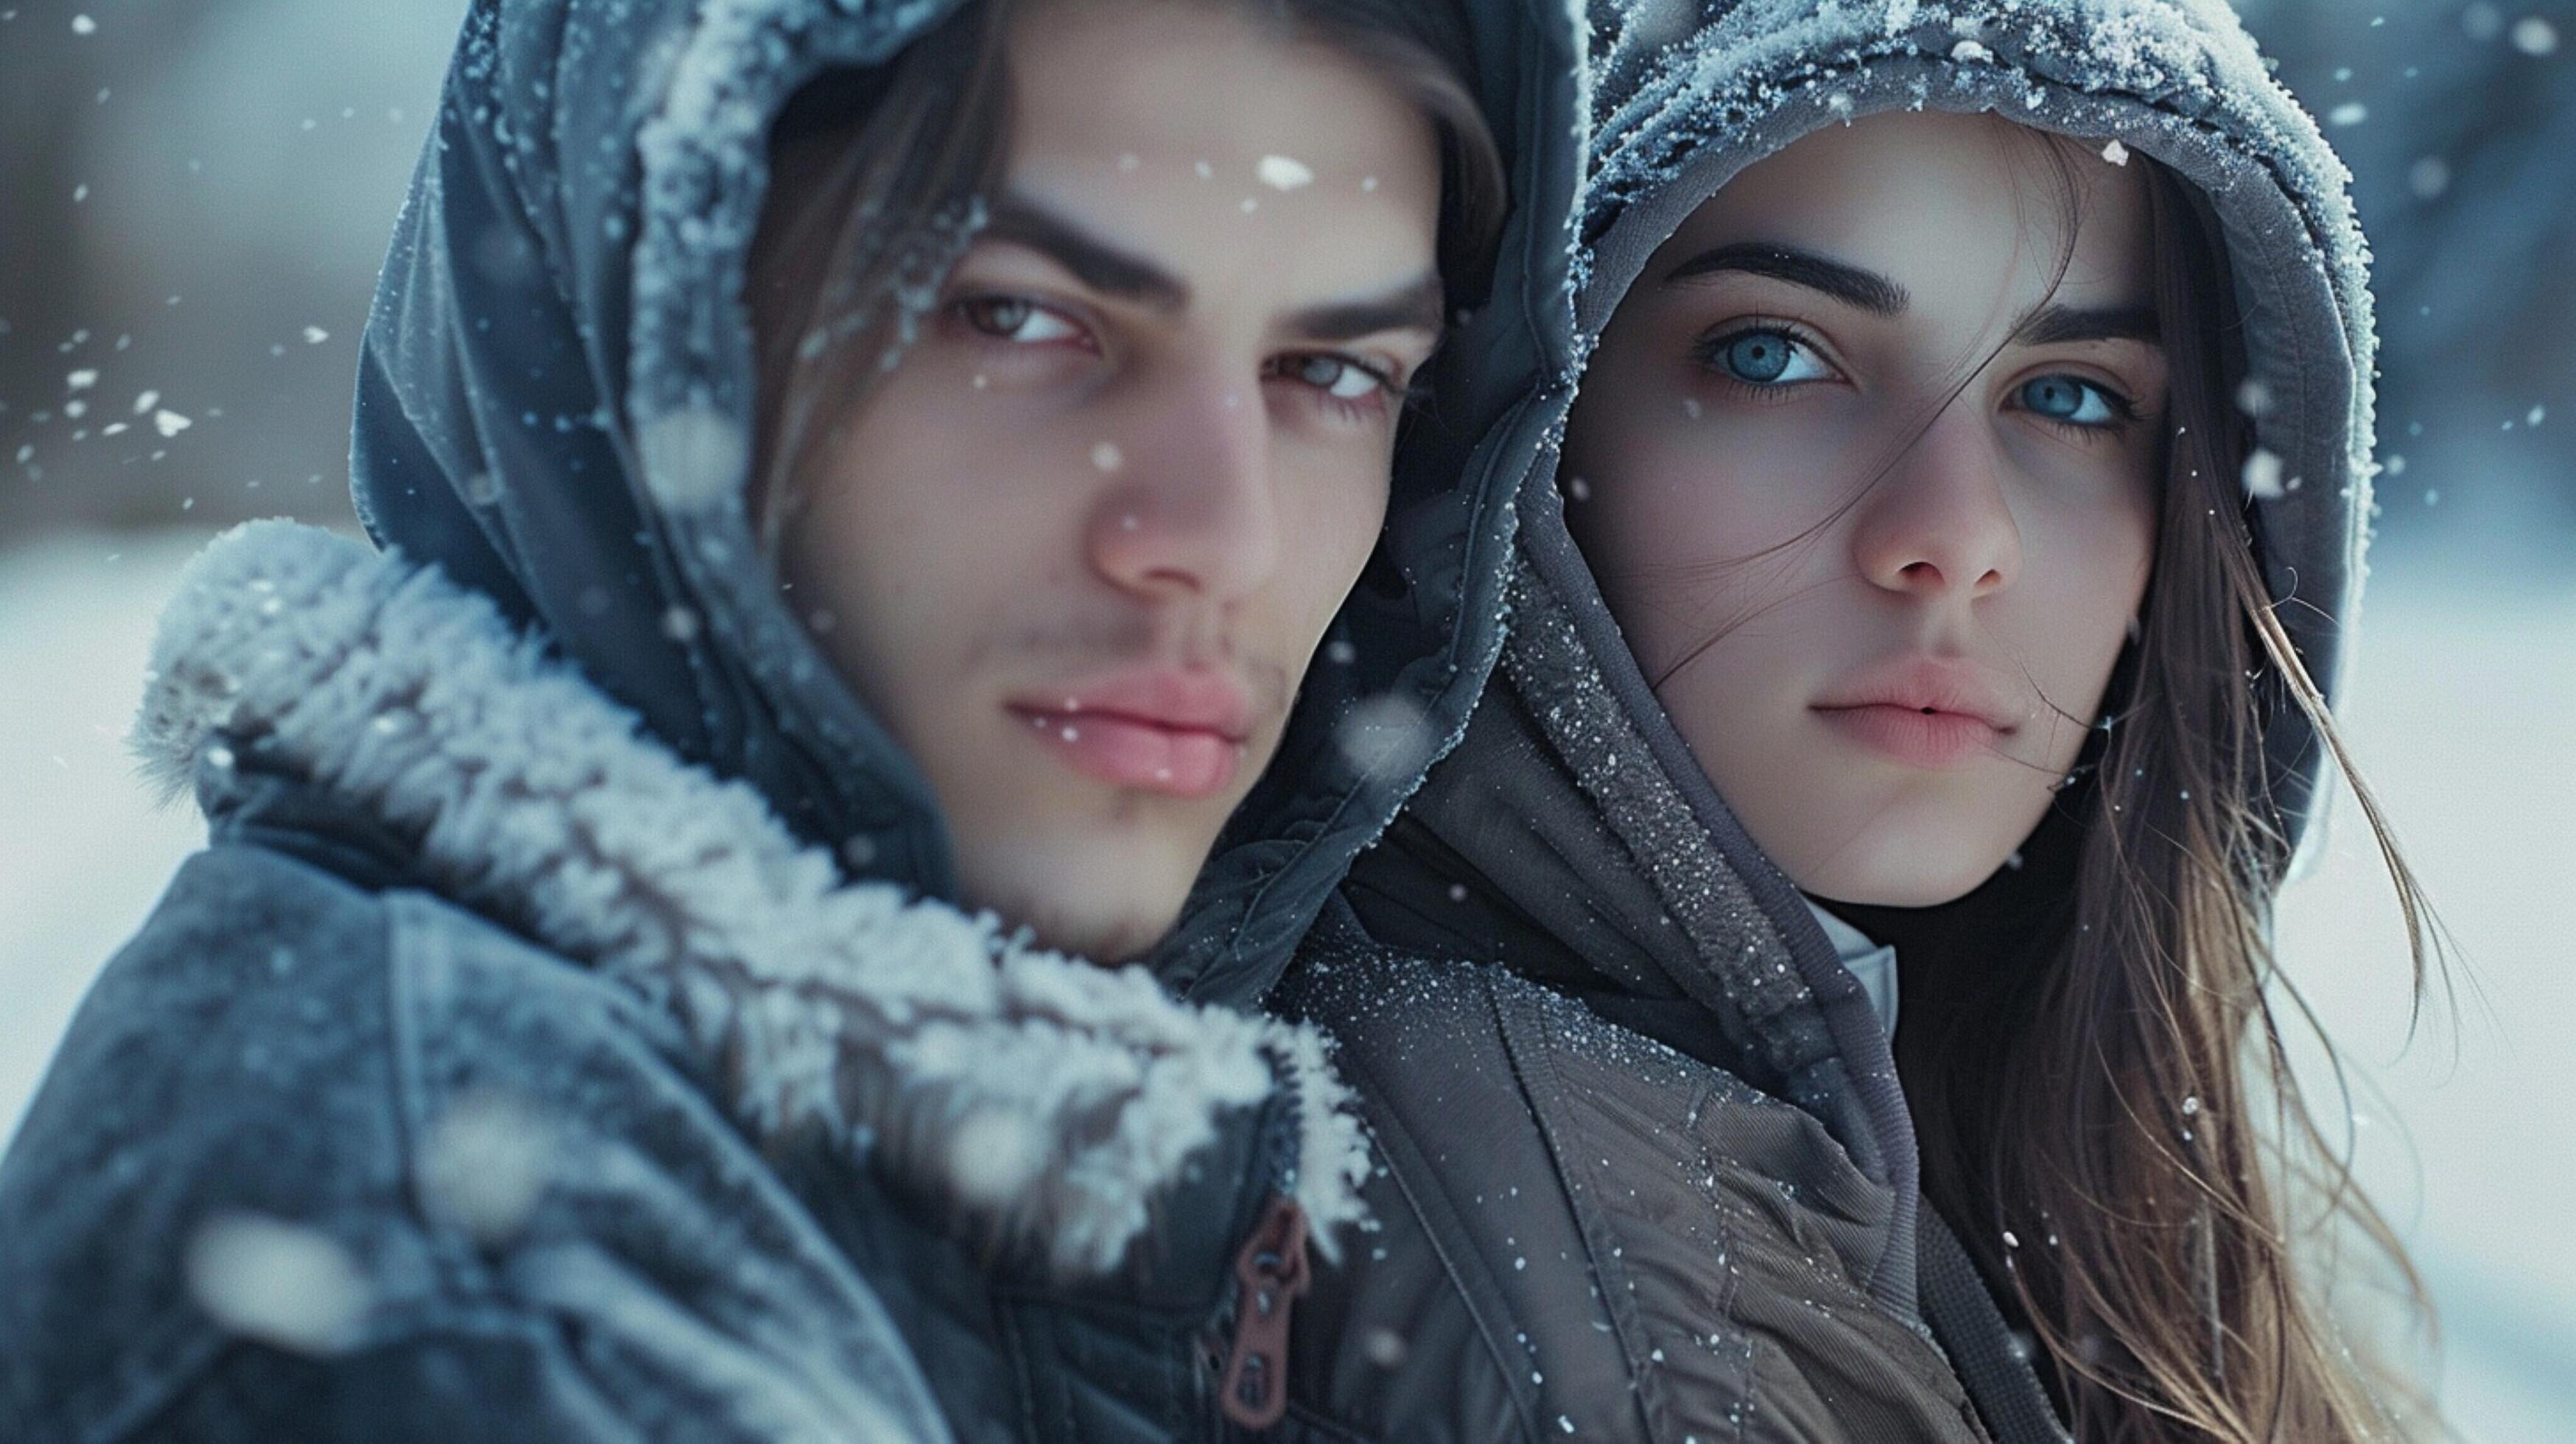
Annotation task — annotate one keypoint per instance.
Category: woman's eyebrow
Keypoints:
(2055, 324)
(1867, 290)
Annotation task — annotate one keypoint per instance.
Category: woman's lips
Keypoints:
(1916, 736)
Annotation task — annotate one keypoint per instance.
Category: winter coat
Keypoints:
(567, 1032)
(1644, 1167)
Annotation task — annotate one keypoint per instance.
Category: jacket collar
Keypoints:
(822, 1004)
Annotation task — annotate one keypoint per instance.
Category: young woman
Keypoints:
(1915, 694)
(613, 1004)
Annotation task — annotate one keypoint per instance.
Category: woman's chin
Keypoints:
(1901, 863)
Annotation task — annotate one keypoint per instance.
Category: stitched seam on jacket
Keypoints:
(1530, 1057)
(1383, 1126)
(1729, 1244)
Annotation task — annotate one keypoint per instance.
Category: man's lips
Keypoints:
(1168, 730)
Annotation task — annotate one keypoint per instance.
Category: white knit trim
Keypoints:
(1049, 1099)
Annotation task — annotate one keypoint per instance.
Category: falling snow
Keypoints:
(277, 1282)
(1283, 174)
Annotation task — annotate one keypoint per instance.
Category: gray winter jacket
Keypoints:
(1644, 1167)
(565, 1034)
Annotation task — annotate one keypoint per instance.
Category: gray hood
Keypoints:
(1685, 96)
(1574, 836)
(555, 403)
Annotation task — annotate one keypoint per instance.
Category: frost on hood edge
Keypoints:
(1685, 96)
(831, 1005)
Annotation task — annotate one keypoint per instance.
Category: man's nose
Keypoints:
(1186, 507)
(1939, 522)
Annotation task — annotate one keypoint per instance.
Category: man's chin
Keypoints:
(1109, 903)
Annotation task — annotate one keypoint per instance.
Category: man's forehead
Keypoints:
(1236, 160)
(1182, 242)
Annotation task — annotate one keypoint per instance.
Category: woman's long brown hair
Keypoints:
(2092, 1045)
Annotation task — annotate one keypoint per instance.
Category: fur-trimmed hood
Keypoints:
(824, 1003)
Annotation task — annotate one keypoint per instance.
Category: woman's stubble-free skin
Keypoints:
(1758, 571)
(1064, 487)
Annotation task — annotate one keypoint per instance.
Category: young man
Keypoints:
(589, 1019)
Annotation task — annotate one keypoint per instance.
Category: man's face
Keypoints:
(1078, 549)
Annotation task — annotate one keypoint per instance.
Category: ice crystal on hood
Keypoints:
(2115, 153)
(281, 1283)
(170, 423)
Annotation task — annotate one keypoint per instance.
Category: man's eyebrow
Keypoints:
(1095, 262)
(1850, 285)
(2054, 324)
(1413, 306)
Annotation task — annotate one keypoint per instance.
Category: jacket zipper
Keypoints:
(1270, 1272)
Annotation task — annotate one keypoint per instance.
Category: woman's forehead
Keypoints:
(1942, 205)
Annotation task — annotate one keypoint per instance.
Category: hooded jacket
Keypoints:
(1645, 1167)
(567, 1032)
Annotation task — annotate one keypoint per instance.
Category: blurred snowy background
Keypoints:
(194, 198)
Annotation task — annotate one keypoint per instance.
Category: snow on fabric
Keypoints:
(834, 1004)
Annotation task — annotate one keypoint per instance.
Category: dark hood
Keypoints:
(1573, 834)
(555, 402)
(1686, 96)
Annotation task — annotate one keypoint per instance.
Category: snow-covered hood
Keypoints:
(555, 405)
(1604, 854)
(1048, 1102)
(1685, 95)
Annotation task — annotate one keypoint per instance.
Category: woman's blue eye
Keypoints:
(2072, 400)
(1764, 358)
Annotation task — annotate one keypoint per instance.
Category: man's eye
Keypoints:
(1341, 379)
(1016, 319)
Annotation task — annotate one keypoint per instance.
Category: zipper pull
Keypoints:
(1270, 1272)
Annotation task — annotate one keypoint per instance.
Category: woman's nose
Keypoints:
(1939, 522)
(1186, 508)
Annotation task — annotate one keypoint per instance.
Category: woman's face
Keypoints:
(1869, 486)
(1079, 547)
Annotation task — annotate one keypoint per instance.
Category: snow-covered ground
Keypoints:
(2460, 717)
